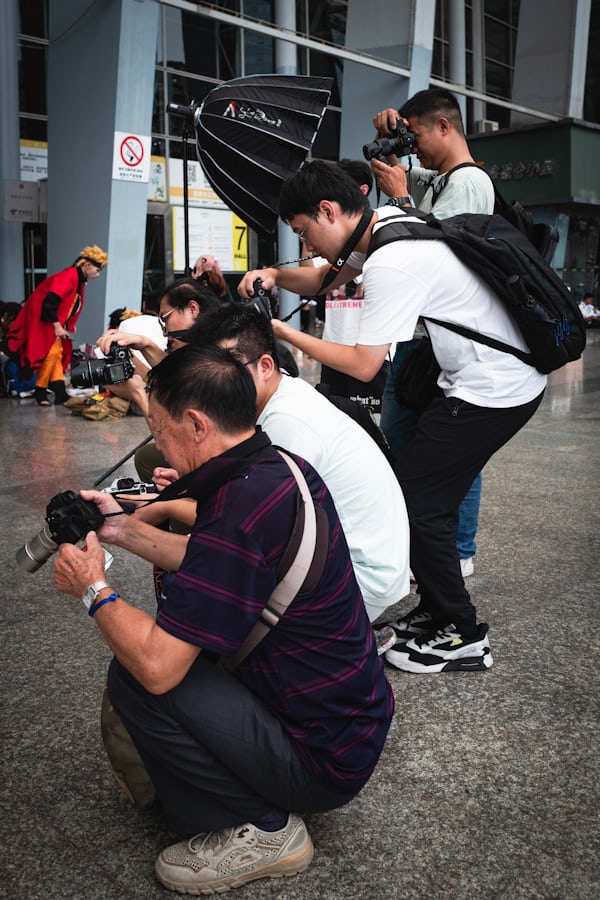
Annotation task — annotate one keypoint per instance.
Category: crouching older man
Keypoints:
(301, 722)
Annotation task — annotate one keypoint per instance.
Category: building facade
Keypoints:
(91, 155)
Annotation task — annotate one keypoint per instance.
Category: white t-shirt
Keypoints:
(407, 279)
(366, 493)
(469, 189)
(149, 327)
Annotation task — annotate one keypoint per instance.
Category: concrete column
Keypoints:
(402, 32)
(286, 64)
(458, 50)
(100, 80)
(478, 44)
(551, 58)
(11, 233)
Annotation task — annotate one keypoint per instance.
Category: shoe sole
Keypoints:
(462, 664)
(283, 868)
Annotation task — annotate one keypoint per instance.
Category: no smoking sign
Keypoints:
(131, 157)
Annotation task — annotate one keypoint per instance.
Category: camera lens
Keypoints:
(32, 555)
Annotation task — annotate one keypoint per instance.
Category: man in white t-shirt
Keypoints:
(448, 183)
(488, 395)
(362, 483)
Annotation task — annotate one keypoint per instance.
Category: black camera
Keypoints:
(401, 143)
(68, 519)
(111, 369)
(263, 301)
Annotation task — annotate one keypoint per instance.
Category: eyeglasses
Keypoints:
(162, 320)
(301, 234)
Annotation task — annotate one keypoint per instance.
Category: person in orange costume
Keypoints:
(40, 336)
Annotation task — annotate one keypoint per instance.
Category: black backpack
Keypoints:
(543, 237)
(539, 302)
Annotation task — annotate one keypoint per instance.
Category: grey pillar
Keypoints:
(458, 50)
(285, 64)
(11, 233)
(100, 81)
(551, 58)
(401, 32)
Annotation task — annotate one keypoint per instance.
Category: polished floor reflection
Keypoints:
(488, 782)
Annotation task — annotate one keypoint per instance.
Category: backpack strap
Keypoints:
(439, 187)
(429, 228)
(303, 572)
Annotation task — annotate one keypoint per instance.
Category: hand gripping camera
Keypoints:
(263, 300)
(68, 519)
(401, 143)
(112, 369)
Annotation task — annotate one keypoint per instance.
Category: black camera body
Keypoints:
(401, 143)
(68, 519)
(263, 300)
(112, 369)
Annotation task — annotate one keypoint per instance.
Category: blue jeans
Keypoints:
(399, 425)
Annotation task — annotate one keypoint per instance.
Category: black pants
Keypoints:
(452, 443)
(216, 754)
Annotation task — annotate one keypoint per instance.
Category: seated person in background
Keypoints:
(364, 488)
(208, 272)
(589, 311)
(180, 305)
(302, 722)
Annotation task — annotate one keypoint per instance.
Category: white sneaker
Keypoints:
(219, 860)
(466, 567)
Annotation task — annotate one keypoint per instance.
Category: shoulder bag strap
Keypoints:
(292, 581)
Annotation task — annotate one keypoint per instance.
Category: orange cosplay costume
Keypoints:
(32, 340)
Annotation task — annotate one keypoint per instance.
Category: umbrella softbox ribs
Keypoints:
(253, 133)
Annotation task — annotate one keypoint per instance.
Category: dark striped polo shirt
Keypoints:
(317, 670)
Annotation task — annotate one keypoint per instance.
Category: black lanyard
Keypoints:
(342, 259)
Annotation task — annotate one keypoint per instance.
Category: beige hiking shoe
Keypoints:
(219, 860)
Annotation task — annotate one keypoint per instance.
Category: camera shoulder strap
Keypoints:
(304, 571)
(334, 268)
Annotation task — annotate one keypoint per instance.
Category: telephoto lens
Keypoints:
(32, 555)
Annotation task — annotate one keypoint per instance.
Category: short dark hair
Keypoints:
(430, 104)
(251, 329)
(209, 379)
(358, 170)
(179, 293)
(319, 179)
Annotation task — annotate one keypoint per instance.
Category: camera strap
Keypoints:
(335, 268)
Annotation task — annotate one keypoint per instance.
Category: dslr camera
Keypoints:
(111, 369)
(68, 519)
(263, 301)
(401, 143)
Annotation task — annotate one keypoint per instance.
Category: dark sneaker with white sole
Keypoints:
(213, 863)
(443, 651)
(413, 624)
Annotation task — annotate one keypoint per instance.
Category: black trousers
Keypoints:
(216, 754)
(453, 441)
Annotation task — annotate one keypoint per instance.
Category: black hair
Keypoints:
(251, 329)
(179, 294)
(209, 379)
(319, 179)
(114, 319)
(432, 103)
(358, 170)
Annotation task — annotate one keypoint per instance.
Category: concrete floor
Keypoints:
(489, 782)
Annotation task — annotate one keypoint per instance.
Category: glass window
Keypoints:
(32, 78)
(33, 129)
(33, 18)
(259, 53)
(322, 64)
(183, 90)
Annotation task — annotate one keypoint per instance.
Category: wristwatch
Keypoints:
(399, 201)
(91, 592)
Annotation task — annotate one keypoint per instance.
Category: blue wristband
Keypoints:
(93, 609)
